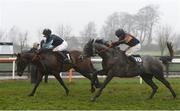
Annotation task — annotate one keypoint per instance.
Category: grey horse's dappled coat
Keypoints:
(116, 64)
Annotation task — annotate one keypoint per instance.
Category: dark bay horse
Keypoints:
(116, 64)
(49, 62)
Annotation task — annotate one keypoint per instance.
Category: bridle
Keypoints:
(101, 51)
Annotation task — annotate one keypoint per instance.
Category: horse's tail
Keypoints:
(167, 59)
(170, 48)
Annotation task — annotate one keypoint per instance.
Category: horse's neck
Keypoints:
(114, 53)
(122, 56)
(29, 56)
(105, 55)
(32, 58)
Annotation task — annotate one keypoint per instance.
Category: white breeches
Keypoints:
(61, 47)
(133, 49)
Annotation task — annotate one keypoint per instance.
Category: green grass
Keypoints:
(119, 94)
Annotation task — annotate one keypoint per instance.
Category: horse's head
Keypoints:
(93, 47)
(88, 50)
(23, 59)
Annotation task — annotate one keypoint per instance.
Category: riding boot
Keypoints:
(64, 57)
(131, 58)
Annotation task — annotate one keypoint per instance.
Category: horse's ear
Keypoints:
(92, 40)
(16, 54)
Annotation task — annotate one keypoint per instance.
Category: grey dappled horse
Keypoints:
(116, 64)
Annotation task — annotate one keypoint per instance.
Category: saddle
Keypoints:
(65, 56)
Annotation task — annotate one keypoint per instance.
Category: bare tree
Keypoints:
(145, 20)
(140, 25)
(13, 34)
(176, 42)
(163, 34)
(111, 25)
(126, 22)
(75, 43)
(23, 40)
(64, 31)
(89, 31)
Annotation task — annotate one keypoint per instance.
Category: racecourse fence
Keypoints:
(6, 69)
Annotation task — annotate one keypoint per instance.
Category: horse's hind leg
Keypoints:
(161, 78)
(46, 78)
(148, 79)
(62, 83)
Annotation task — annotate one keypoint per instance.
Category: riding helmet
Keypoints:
(46, 32)
(120, 33)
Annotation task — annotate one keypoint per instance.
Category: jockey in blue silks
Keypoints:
(54, 42)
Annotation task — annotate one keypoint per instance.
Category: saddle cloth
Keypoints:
(138, 58)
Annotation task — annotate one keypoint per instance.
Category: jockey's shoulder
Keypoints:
(54, 36)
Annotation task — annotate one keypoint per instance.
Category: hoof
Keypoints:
(93, 90)
(174, 96)
(149, 98)
(30, 94)
(93, 99)
(67, 93)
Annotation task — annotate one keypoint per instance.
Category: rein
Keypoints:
(102, 50)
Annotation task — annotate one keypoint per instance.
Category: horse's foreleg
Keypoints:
(39, 79)
(62, 83)
(92, 87)
(95, 80)
(87, 75)
(90, 78)
(107, 80)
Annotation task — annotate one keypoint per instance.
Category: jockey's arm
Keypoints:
(114, 44)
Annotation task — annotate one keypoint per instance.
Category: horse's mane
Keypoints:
(44, 50)
(89, 44)
(102, 41)
(88, 48)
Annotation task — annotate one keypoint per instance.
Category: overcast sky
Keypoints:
(31, 15)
